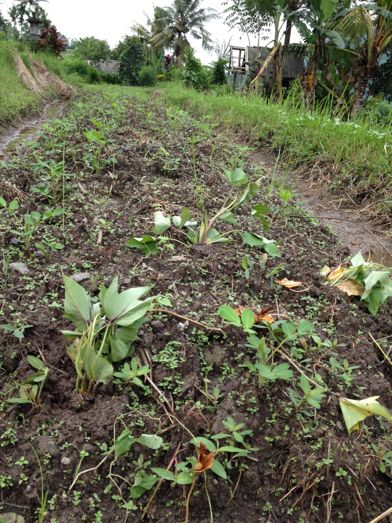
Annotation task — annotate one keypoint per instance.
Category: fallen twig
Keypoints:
(190, 320)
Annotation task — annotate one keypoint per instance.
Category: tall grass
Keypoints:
(15, 98)
(353, 156)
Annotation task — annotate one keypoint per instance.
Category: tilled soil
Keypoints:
(304, 466)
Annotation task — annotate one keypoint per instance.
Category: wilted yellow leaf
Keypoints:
(355, 411)
(265, 317)
(336, 273)
(289, 284)
(351, 287)
(261, 315)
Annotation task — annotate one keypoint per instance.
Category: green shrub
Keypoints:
(219, 72)
(132, 60)
(147, 76)
(377, 110)
(110, 78)
(195, 75)
(93, 49)
(83, 69)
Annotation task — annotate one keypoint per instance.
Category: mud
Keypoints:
(28, 127)
(351, 225)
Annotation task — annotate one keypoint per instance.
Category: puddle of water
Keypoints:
(27, 128)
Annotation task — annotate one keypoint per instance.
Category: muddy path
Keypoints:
(351, 225)
(300, 463)
(14, 136)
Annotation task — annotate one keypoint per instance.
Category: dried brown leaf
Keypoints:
(205, 459)
(351, 287)
(289, 284)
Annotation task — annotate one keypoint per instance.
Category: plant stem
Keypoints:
(188, 499)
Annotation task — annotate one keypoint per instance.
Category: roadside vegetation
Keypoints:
(352, 157)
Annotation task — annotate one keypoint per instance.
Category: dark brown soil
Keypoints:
(306, 467)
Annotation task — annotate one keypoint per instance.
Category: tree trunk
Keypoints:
(360, 87)
(278, 72)
(310, 83)
(266, 63)
(287, 33)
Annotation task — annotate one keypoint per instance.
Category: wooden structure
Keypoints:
(246, 60)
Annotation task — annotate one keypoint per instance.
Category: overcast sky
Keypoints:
(111, 19)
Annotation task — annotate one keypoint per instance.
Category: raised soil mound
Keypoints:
(40, 80)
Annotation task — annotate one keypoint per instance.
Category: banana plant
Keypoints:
(104, 330)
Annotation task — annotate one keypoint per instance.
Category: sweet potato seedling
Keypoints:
(104, 329)
(30, 389)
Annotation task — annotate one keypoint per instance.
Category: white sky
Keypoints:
(111, 19)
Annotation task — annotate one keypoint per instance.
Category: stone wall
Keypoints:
(108, 66)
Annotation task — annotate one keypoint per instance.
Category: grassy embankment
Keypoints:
(354, 157)
(15, 99)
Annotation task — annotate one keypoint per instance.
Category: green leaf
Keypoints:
(3, 203)
(217, 468)
(228, 314)
(374, 300)
(357, 260)
(336, 39)
(228, 217)
(123, 443)
(214, 236)
(249, 193)
(327, 7)
(118, 349)
(312, 396)
(18, 401)
(254, 240)
(261, 212)
(374, 278)
(237, 176)
(14, 205)
(151, 441)
(304, 327)
(164, 473)
(247, 319)
(233, 450)
(35, 362)
(355, 411)
(161, 223)
(77, 302)
(288, 329)
(207, 442)
(180, 221)
(97, 367)
(184, 478)
(282, 372)
(265, 371)
(148, 245)
(125, 308)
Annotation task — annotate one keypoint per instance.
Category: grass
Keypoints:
(355, 156)
(15, 99)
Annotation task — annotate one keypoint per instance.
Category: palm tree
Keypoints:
(369, 30)
(172, 26)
